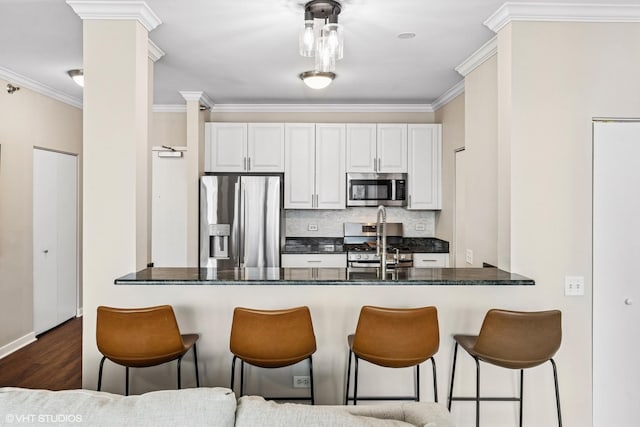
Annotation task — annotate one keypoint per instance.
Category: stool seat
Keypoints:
(142, 337)
(394, 338)
(512, 340)
(272, 339)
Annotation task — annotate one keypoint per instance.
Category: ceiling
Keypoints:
(246, 51)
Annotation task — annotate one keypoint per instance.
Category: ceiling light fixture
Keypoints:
(77, 76)
(317, 79)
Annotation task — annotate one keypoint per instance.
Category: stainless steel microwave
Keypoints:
(373, 189)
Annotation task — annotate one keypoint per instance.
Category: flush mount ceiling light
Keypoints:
(77, 76)
(321, 36)
(317, 79)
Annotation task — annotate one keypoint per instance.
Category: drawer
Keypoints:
(314, 260)
(430, 260)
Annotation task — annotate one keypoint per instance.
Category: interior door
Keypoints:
(616, 293)
(55, 239)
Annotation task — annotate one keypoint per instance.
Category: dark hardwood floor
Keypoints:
(53, 362)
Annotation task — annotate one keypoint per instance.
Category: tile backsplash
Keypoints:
(329, 222)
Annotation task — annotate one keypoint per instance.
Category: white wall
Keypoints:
(27, 119)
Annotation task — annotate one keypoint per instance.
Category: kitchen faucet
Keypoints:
(382, 212)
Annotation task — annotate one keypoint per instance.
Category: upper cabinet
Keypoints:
(314, 166)
(378, 148)
(242, 147)
(424, 174)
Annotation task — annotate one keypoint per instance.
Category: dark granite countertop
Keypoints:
(328, 245)
(324, 276)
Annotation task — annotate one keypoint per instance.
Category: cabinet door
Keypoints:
(392, 148)
(425, 146)
(299, 170)
(361, 148)
(265, 149)
(330, 166)
(225, 147)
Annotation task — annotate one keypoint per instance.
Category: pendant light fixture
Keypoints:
(321, 38)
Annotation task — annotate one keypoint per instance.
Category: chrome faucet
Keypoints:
(382, 254)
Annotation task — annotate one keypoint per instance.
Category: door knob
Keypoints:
(628, 301)
(46, 251)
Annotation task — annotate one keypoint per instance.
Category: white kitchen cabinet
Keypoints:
(424, 169)
(392, 148)
(380, 148)
(430, 260)
(314, 166)
(362, 153)
(314, 261)
(244, 147)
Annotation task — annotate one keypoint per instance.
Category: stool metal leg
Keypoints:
(233, 371)
(453, 373)
(126, 386)
(477, 391)
(417, 383)
(555, 380)
(179, 371)
(313, 401)
(100, 372)
(521, 389)
(355, 383)
(195, 362)
(346, 393)
(435, 380)
(241, 377)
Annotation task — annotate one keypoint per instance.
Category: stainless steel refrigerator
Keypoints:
(240, 221)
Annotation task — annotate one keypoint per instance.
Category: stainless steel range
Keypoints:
(360, 244)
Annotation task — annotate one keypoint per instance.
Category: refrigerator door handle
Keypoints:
(243, 227)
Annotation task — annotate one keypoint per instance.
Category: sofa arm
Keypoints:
(188, 407)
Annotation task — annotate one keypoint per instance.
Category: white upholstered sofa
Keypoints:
(201, 407)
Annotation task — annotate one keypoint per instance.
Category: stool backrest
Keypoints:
(272, 338)
(137, 333)
(515, 338)
(397, 337)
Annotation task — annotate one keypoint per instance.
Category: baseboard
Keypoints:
(6, 350)
(79, 312)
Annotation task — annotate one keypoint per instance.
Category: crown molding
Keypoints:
(121, 10)
(478, 57)
(35, 86)
(155, 52)
(323, 108)
(448, 96)
(562, 12)
(198, 96)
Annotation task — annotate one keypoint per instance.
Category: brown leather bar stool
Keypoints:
(272, 339)
(142, 337)
(394, 338)
(512, 340)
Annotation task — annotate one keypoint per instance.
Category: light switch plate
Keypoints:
(574, 286)
(420, 227)
(469, 256)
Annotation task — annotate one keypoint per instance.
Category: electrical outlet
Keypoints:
(469, 256)
(313, 227)
(301, 381)
(574, 286)
(420, 227)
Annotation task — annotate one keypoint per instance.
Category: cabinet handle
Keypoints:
(409, 200)
(248, 164)
(244, 163)
(314, 260)
(375, 164)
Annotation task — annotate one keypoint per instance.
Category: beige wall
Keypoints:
(451, 116)
(563, 75)
(481, 142)
(27, 120)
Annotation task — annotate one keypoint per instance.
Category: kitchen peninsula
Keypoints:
(325, 276)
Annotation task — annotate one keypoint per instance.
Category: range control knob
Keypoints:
(365, 256)
(358, 256)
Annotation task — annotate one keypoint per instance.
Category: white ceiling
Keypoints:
(246, 51)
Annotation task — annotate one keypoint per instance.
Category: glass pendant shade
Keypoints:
(335, 39)
(325, 58)
(307, 43)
